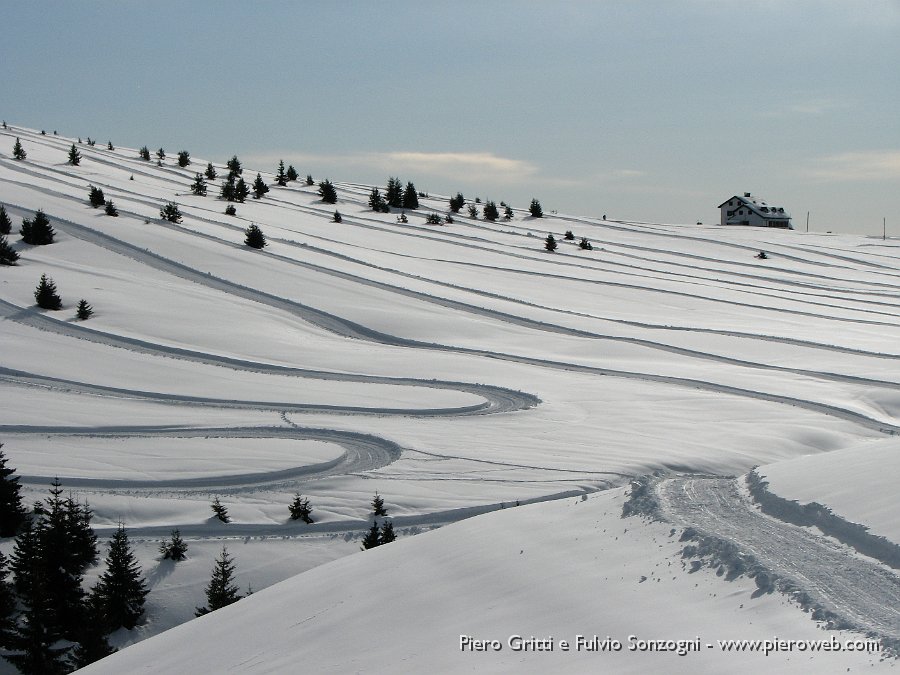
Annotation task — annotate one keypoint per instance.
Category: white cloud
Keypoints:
(874, 165)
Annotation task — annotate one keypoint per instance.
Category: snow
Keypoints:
(458, 370)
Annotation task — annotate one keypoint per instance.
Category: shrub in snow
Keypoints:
(170, 212)
(585, 245)
(160, 155)
(535, 209)
(254, 237)
(144, 153)
(184, 158)
(473, 211)
(39, 231)
(337, 217)
(210, 172)
(327, 192)
(220, 510)
(300, 509)
(230, 210)
(45, 294)
(508, 213)
(174, 549)
(550, 243)
(292, 174)
(309, 180)
(457, 202)
(490, 211)
(109, 145)
(95, 197)
(84, 311)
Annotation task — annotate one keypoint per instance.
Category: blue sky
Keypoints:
(652, 111)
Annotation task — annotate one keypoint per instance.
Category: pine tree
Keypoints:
(45, 294)
(259, 187)
(121, 589)
(198, 187)
(221, 591)
(144, 153)
(387, 533)
(170, 212)
(457, 202)
(95, 197)
(281, 177)
(372, 538)
(19, 151)
(550, 243)
(378, 506)
(220, 510)
(569, 236)
(393, 194)
(535, 209)
(230, 210)
(300, 509)
(91, 141)
(110, 209)
(160, 155)
(39, 231)
(490, 211)
(585, 245)
(376, 201)
(473, 211)
(234, 166)
(109, 145)
(5, 221)
(74, 156)
(327, 192)
(228, 188)
(254, 237)
(241, 191)
(184, 158)
(175, 549)
(292, 174)
(337, 217)
(84, 311)
(434, 219)
(508, 213)
(210, 172)
(91, 637)
(309, 180)
(410, 197)
(8, 255)
(7, 605)
(12, 513)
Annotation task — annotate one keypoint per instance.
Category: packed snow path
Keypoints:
(864, 594)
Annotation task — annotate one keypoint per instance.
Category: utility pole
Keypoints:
(884, 228)
(807, 221)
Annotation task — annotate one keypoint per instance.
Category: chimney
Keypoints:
(746, 194)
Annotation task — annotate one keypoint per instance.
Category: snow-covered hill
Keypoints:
(456, 369)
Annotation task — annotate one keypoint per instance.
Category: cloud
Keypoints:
(874, 165)
(811, 107)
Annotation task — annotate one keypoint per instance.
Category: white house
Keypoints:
(750, 210)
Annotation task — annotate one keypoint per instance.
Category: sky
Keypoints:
(645, 110)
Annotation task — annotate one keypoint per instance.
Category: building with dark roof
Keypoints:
(750, 210)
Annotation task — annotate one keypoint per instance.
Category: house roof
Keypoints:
(759, 207)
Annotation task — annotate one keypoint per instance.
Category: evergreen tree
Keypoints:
(376, 201)
(210, 172)
(490, 211)
(91, 142)
(457, 202)
(387, 533)
(8, 255)
(372, 538)
(39, 231)
(410, 197)
(84, 311)
(45, 294)
(5, 222)
(160, 155)
(74, 156)
(7, 605)
(230, 210)
(221, 590)
(241, 191)
(535, 209)
(254, 237)
(144, 153)
(585, 245)
(393, 194)
(309, 180)
(300, 509)
(198, 187)
(550, 243)
(170, 212)
(109, 145)
(337, 217)
(292, 174)
(281, 177)
(234, 166)
(184, 158)
(95, 197)
(228, 188)
(121, 589)
(259, 187)
(327, 192)
(110, 209)
(175, 549)
(434, 219)
(569, 236)
(508, 213)
(19, 151)
(220, 510)
(91, 637)
(12, 513)
(378, 506)
(473, 211)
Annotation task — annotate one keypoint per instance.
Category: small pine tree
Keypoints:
(91, 141)
(569, 236)
(8, 255)
(230, 210)
(221, 590)
(535, 209)
(372, 538)
(12, 513)
(109, 145)
(375, 199)
(74, 156)
(170, 212)
(19, 151)
(387, 534)
(309, 180)
(393, 194)
(39, 231)
(210, 172)
(292, 174)
(121, 590)
(175, 548)
(259, 187)
(490, 211)
(550, 243)
(434, 219)
(110, 209)
(300, 509)
(337, 217)
(5, 221)
(7, 605)
(220, 510)
(241, 191)
(508, 213)
(457, 202)
(410, 197)
(198, 187)
(184, 158)
(448, 219)
(95, 197)
(234, 166)
(228, 188)
(254, 237)
(327, 192)
(473, 211)
(144, 153)
(160, 155)
(84, 311)
(281, 178)
(585, 245)
(45, 294)
(378, 506)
